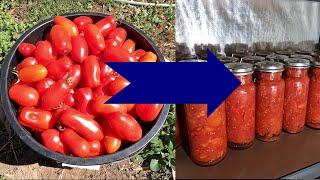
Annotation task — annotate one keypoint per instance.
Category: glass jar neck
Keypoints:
(296, 72)
(245, 79)
(269, 76)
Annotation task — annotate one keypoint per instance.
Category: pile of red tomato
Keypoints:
(63, 84)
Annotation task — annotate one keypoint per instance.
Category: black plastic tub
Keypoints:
(37, 33)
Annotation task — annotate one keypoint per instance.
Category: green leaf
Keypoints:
(154, 165)
(137, 159)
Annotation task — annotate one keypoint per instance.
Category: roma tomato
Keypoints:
(55, 95)
(117, 85)
(125, 126)
(70, 99)
(26, 49)
(148, 57)
(148, 112)
(59, 68)
(36, 119)
(81, 22)
(111, 43)
(79, 48)
(75, 143)
(106, 73)
(129, 45)
(74, 76)
(67, 24)
(138, 54)
(83, 96)
(33, 73)
(27, 62)
(96, 148)
(90, 70)
(60, 39)
(106, 24)
(111, 140)
(50, 138)
(58, 112)
(114, 54)
(24, 95)
(43, 52)
(94, 37)
(118, 34)
(82, 124)
(44, 84)
(99, 107)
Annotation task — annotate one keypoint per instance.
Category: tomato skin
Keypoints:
(67, 24)
(94, 37)
(148, 112)
(60, 39)
(129, 45)
(26, 49)
(36, 119)
(90, 70)
(96, 148)
(148, 57)
(82, 124)
(111, 43)
(99, 107)
(83, 96)
(55, 95)
(43, 52)
(106, 73)
(75, 143)
(24, 95)
(115, 54)
(106, 24)
(111, 140)
(138, 54)
(117, 85)
(74, 76)
(70, 99)
(27, 62)
(125, 126)
(118, 34)
(59, 68)
(80, 49)
(50, 138)
(44, 84)
(58, 112)
(33, 73)
(81, 22)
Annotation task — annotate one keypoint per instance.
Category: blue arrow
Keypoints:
(180, 82)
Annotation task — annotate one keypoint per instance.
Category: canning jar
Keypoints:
(269, 100)
(252, 59)
(313, 110)
(296, 95)
(240, 108)
(277, 57)
(207, 136)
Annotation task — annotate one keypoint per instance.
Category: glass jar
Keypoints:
(252, 59)
(207, 136)
(269, 100)
(313, 110)
(296, 95)
(240, 108)
(277, 58)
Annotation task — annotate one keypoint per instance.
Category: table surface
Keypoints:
(263, 160)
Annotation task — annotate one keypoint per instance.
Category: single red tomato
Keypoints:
(36, 119)
(118, 34)
(148, 112)
(58, 112)
(73, 76)
(43, 52)
(106, 25)
(80, 48)
(59, 68)
(129, 45)
(81, 22)
(106, 73)
(67, 24)
(70, 99)
(75, 143)
(96, 148)
(50, 138)
(60, 39)
(90, 70)
(115, 54)
(26, 49)
(111, 43)
(55, 95)
(111, 140)
(99, 107)
(148, 57)
(138, 54)
(125, 126)
(94, 37)
(33, 73)
(83, 96)
(24, 95)
(44, 84)
(27, 62)
(117, 85)
(82, 124)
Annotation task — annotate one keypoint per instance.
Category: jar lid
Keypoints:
(316, 63)
(252, 59)
(192, 60)
(296, 62)
(238, 68)
(275, 57)
(287, 53)
(263, 53)
(228, 59)
(305, 52)
(269, 66)
(301, 56)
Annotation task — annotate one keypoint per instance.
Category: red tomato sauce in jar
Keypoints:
(313, 110)
(296, 95)
(207, 136)
(240, 108)
(269, 100)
